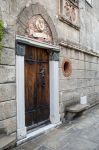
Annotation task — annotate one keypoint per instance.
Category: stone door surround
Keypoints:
(21, 40)
(54, 79)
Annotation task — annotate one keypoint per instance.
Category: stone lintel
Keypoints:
(21, 41)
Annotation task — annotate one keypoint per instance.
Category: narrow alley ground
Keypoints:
(81, 134)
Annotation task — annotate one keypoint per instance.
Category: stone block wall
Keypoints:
(83, 81)
(7, 76)
(7, 91)
(89, 33)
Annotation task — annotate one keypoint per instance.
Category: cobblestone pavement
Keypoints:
(81, 134)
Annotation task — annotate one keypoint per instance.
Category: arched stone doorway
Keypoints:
(35, 14)
(36, 36)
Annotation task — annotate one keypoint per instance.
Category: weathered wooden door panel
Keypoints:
(36, 86)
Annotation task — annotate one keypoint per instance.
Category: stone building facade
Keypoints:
(68, 30)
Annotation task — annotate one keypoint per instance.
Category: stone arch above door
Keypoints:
(34, 22)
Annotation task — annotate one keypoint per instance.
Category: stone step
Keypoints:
(7, 141)
(77, 108)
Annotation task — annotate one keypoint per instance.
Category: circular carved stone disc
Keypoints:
(40, 24)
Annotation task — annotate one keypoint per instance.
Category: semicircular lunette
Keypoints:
(38, 29)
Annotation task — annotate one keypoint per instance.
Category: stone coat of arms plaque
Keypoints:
(69, 12)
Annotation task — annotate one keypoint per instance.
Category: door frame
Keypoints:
(53, 50)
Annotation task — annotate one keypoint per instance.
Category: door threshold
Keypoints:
(37, 128)
(38, 132)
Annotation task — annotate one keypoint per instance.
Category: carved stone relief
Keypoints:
(38, 29)
(69, 11)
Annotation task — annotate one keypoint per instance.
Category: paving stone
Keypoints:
(77, 144)
(43, 148)
(81, 134)
(7, 141)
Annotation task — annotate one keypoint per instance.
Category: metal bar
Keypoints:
(37, 125)
(36, 61)
(34, 110)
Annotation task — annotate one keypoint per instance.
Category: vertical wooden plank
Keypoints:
(36, 94)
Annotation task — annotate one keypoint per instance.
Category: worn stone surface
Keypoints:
(81, 134)
(77, 108)
(10, 125)
(9, 40)
(43, 148)
(7, 142)
(8, 57)
(7, 92)
(7, 109)
(7, 74)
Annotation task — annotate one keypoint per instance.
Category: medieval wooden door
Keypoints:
(37, 102)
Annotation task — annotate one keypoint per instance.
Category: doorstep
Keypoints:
(38, 132)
